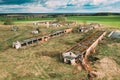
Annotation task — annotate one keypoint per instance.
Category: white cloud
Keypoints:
(10, 6)
(106, 9)
(38, 8)
(97, 2)
(29, 8)
(78, 2)
(93, 2)
(55, 3)
(109, 9)
(103, 2)
(62, 6)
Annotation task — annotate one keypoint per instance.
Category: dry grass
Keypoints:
(107, 68)
(40, 62)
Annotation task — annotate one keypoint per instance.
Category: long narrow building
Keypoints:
(81, 50)
(39, 39)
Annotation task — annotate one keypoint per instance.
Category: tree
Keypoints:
(8, 22)
(61, 19)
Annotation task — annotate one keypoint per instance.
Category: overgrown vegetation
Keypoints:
(41, 62)
(61, 19)
(36, 62)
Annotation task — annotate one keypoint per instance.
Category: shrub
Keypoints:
(60, 19)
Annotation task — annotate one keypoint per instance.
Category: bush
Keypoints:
(60, 19)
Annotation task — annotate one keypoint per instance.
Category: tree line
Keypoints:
(9, 18)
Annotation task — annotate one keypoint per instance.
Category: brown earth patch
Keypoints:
(107, 68)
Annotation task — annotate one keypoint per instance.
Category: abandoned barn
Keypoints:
(83, 48)
(38, 39)
(88, 27)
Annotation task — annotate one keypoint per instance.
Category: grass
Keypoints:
(32, 20)
(95, 18)
(113, 21)
(36, 62)
(41, 62)
(110, 48)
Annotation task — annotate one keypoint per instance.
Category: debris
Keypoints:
(55, 24)
(14, 28)
(69, 57)
(35, 31)
(114, 34)
(16, 45)
(88, 27)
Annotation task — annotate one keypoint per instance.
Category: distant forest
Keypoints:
(28, 16)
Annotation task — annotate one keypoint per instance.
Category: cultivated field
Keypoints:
(41, 62)
(111, 21)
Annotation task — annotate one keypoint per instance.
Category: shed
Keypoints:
(69, 57)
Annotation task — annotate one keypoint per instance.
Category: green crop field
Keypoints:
(113, 21)
(95, 18)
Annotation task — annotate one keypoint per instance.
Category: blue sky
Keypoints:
(59, 6)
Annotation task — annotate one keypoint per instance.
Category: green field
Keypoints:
(113, 21)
